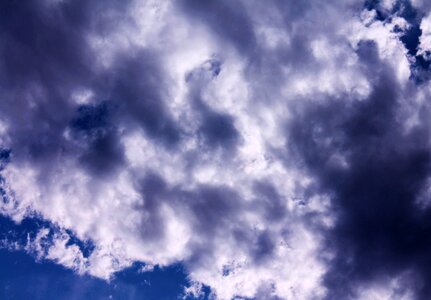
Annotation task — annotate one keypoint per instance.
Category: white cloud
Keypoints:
(425, 38)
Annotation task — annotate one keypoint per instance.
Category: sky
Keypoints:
(215, 149)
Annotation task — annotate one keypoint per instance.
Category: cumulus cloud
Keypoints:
(279, 150)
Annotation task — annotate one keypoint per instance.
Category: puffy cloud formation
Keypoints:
(277, 149)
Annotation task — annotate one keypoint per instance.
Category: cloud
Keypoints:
(277, 150)
(379, 229)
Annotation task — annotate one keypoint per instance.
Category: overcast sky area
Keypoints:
(215, 149)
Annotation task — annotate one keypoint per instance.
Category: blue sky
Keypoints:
(22, 276)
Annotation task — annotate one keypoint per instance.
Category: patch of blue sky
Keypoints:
(23, 277)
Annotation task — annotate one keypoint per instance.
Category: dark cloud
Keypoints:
(212, 211)
(43, 48)
(101, 151)
(380, 230)
(154, 191)
(43, 59)
(272, 203)
(216, 130)
(47, 58)
(210, 208)
(267, 290)
(213, 207)
(91, 119)
(228, 20)
(139, 86)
